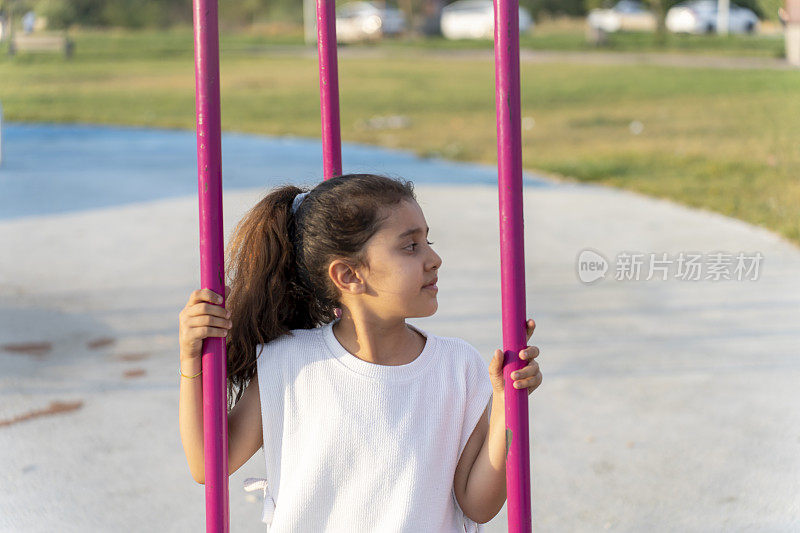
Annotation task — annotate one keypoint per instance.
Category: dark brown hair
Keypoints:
(278, 261)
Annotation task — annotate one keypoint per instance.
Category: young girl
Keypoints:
(367, 423)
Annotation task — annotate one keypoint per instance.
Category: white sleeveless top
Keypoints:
(353, 446)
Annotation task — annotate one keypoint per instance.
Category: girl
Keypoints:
(367, 423)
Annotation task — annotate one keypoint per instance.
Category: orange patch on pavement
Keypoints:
(29, 348)
(135, 373)
(54, 408)
(100, 343)
(133, 356)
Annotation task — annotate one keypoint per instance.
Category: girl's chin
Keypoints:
(432, 311)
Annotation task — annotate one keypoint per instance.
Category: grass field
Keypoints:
(724, 140)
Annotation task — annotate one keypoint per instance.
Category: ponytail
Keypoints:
(266, 300)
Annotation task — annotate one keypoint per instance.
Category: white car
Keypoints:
(627, 15)
(700, 16)
(364, 21)
(474, 19)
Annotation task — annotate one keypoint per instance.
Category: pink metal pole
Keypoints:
(212, 268)
(512, 260)
(329, 89)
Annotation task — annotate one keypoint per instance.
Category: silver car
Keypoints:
(365, 21)
(700, 16)
(626, 15)
(474, 19)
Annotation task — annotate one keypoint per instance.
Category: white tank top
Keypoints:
(352, 446)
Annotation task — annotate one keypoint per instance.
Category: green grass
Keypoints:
(723, 140)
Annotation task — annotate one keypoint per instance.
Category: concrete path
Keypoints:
(667, 405)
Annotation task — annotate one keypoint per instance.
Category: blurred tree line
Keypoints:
(150, 13)
(166, 13)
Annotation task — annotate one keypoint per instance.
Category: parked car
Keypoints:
(626, 15)
(474, 19)
(365, 21)
(700, 16)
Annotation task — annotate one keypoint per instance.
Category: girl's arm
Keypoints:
(244, 422)
(485, 490)
(198, 320)
(190, 416)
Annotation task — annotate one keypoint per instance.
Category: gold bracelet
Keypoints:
(190, 377)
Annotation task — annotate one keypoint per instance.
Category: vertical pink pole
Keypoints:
(512, 260)
(329, 89)
(212, 268)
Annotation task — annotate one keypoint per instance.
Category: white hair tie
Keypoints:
(297, 201)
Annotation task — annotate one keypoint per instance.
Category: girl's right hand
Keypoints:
(202, 317)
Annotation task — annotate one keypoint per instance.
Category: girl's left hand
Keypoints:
(529, 376)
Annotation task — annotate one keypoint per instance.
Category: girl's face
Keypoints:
(401, 264)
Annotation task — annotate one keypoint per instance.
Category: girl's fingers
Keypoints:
(530, 370)
(536, 383)
(212, 332)
(204, 295)
(202, 309)
(531, 352)
(530, 325)
(206, 320)
(529, 382)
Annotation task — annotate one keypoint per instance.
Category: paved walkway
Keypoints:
(666, 405)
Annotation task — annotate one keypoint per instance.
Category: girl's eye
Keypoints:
(413, 244)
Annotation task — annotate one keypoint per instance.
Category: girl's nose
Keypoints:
(437, 261)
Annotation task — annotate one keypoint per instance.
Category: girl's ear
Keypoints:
(345, 277)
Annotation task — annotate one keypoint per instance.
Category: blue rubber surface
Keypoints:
(54, 168)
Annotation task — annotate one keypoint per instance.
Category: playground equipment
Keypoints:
(512, 256)
(329, 89)
(212, 264)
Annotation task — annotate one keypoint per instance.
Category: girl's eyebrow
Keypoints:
(413, 231)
